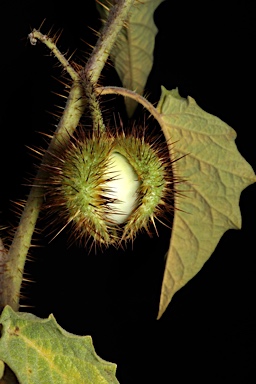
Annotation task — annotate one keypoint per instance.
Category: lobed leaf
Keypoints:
(40, 351)
(132, 53)
(208, 201)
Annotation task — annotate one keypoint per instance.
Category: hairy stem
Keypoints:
(117, 17)
(84, 82)
(35, 35)
(22, 239)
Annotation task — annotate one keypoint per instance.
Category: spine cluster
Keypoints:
(107, 187)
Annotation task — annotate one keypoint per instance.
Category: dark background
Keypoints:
(208, 331)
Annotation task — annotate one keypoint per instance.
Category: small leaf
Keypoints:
(40, 351)
(132, 54)
(208, 203)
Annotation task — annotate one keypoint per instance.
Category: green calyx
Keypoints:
(82, 188)
(108, 188)
(152, 172)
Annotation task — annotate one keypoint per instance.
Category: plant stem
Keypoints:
(140, 99)
(118, 14)
(117, 17)
(84, 82)
(22, 239)
(49, 42)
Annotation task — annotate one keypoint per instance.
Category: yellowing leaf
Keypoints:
(215, 174)
(132, 53)
(40, 351)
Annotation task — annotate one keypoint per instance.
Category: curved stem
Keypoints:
(140, 99)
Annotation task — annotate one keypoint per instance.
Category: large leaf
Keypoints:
(132, 53)
(40, 351)
(208, 204)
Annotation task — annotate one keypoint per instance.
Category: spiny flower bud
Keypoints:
(109, 188)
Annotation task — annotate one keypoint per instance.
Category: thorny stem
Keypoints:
(94, 107)
(14, 267)
(35, 35)
(22, 239)
(119, 13)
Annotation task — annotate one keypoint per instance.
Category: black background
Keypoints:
(208, 331)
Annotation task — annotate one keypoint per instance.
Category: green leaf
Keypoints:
(132, 54)
(208, 202)
(40, 351)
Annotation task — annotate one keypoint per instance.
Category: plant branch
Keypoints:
(49, 42)
(140, 99)
(22, 239)
(117, 17)
(83, 85)
(118, 14)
